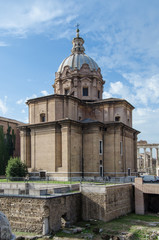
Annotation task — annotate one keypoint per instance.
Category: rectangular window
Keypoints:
(98, 94)
(85, 91)
(100, 147)
(121, 148)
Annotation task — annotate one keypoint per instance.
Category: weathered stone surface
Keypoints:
(30, 214)
(5, 229)
(106, 202)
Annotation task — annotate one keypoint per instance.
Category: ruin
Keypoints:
(145, 161)
(43, 214)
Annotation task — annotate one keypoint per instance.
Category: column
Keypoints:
(23, 145)
(157, 157)
(28, 148)
(144, 165)
(151, 160)
(157, 161)
(33, 147)
(138, 159)
(66, 136)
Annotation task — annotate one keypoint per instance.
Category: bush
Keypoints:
(16, 168)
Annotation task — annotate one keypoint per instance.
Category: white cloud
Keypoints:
(106, 95)
(44, 92)
(31, 97)
(37, 16)
(145, 122)
(118, 89)
(3, 107)
(3, 44)
(144, 90)
(139, 89)
(23, 111)
(20, 101)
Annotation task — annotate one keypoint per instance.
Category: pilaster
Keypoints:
(23, 145)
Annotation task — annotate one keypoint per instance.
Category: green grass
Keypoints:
(56, 182)
(135, 226)
(51, 182)
(3, 180)
(23, 234)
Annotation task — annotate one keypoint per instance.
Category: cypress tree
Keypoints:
(2, 151)
(7, 146)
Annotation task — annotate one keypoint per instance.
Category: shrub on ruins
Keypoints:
(16, 168)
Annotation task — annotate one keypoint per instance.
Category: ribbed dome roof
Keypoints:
(76, 60)
(78, 57)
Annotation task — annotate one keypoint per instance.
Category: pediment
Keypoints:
(85, 79)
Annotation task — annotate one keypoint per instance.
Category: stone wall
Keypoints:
(45, 214)
(28, 214)
(106, 202)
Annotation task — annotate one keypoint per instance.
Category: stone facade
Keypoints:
(74, 133)
(5, 122)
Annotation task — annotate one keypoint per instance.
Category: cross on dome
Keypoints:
(77, 30)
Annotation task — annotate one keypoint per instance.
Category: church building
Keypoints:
(74, 133)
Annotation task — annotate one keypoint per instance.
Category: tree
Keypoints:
(7, 147)
(2, 152)
(16, 168)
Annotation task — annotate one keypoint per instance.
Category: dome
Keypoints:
(76, 60)
(78, 57)
(79, 75)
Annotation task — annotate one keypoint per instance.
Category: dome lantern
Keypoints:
(78, 43)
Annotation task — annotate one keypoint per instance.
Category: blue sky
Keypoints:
(122, 36)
